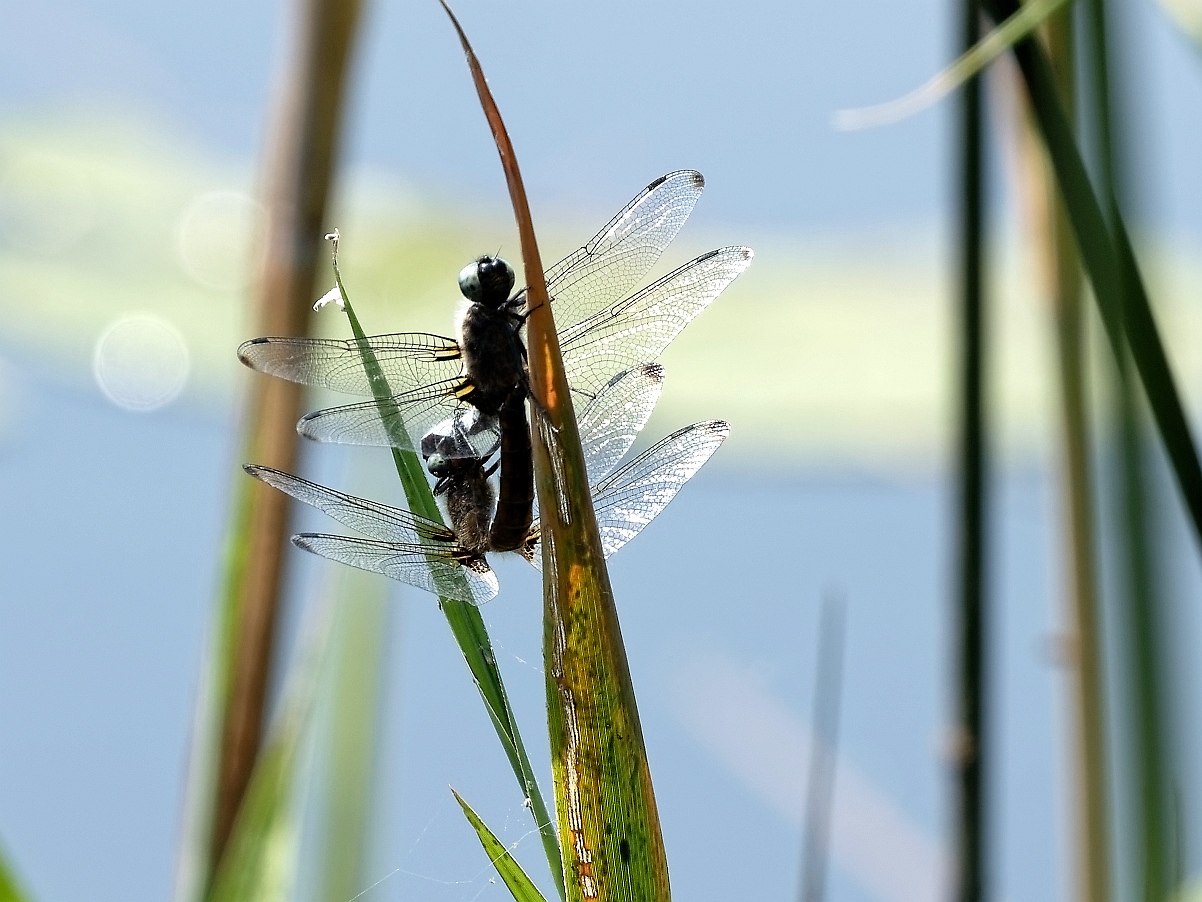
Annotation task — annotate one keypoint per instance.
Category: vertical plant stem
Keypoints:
(823, 743)
(1150, 739)
(465, 620)
(970, 816)
(352, 722)
(605, 804)
(1065, 288)
(300, 172)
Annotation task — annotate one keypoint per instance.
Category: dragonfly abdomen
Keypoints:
(515, 503)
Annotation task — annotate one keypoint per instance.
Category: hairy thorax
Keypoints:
(492, 354)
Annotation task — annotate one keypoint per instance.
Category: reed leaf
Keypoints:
(979, 55)
(970, 763)
(604, 800)
(301, 169)
(466, 622)
(1150, 741)
(1064, 285)
(10, 890)
(1113, 271)
(259, 864)
(350, 724)
(520, 885)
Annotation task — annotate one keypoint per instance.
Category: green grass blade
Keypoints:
(10, 890)
(259, 864)
(1065, 287)
(1149, 771)
(970, 765)
(1033, 14)
(520, 885)
(466, 622)
(302, 162)
(350, 727)
(1113, 272)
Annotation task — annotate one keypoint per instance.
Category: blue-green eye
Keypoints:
(469, 281)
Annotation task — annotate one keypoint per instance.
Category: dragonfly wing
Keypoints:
(408, 360)
(399, 422)
(612, 421)
(623, 251)
(440, 572)
(469, 433)
(381, 522)
(634, 495)
(636, 330)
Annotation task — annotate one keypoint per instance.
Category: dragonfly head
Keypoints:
(487, 280)
(439, 466)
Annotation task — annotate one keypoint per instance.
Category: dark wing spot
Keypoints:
(624, 851)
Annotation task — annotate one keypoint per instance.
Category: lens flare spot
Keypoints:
(219, 234)
(141, 362)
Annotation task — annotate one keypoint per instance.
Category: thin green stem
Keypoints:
(302, 168)
(465, 620)
(824, 739)
(1150, 737)
(1113, 271)
(970, 814)
(1084, 603)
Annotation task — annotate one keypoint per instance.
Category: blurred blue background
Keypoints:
(130, 142)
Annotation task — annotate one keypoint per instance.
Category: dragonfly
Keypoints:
(604, 330)
(463, 478)
(435, 557)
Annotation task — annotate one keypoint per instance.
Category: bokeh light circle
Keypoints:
(219, 234)
(141, 362)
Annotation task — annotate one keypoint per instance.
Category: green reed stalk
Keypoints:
(300, 171)
(970, 814)
(351, 720)
(1150, 739)
(1088, 686)
(465, 620)
(820, 786)
(10, 890)
(1109, 259)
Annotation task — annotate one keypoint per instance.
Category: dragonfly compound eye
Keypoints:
(487, 280)
(469, 281)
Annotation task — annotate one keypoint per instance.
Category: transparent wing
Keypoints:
(612, 421)
(470, 433)
(408, 360)
(623, 251)
(400, 421)
(633, 496)
(470, 580)
(387, 524)
(636, 330)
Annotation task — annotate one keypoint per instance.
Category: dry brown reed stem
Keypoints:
(299, 172)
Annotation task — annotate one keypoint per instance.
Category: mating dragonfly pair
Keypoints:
(460, 402)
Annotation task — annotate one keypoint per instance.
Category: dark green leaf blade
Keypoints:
(10, 891)
(465, 620)
(520, 885)
(1113, 271)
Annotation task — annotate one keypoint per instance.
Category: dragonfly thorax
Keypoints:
(487, 280)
